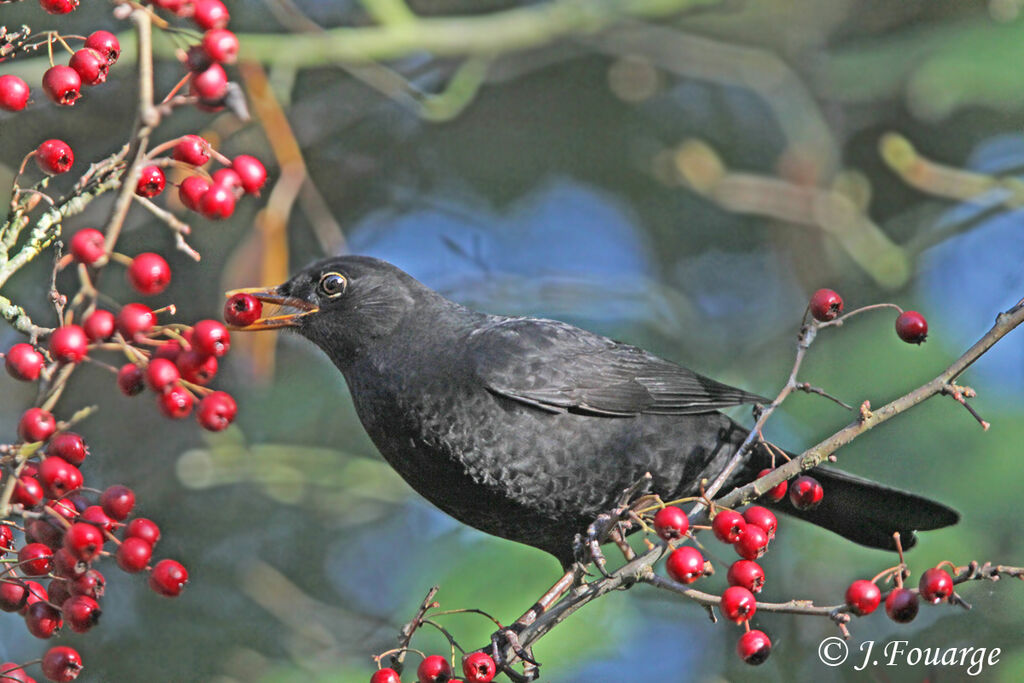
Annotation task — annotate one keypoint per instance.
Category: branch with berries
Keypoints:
(675, 535)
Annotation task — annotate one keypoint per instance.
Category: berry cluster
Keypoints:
(901, 604)
(477, 667)
(826, 305)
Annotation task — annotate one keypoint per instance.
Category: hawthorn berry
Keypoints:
(762, 517)
(10, 672)
(133, 554)
(863, 597)
(433, 669)
(106, 44)
(24, 363)
(728, 525)
(99, 325)
(90, 583)
(59, 477)
(35, 559)
(220, 45)
(161, 374)
(130, 379)
(27, 492)
(211, 84)
(69, 344)
(805, 493)
(58, 6)
(251, 172)
(210, 14)
(151, 182)
(134, 319)
(738, 604)
(117, 501)
(62, 84)
(387, 675)
(58, 591)
(84, 541)
(14, 93)
(901, 605)
(671, 522)
(193, 150)
(217, 411)
(746, 573)
(826, 305)
(228, 178)
(42, 531)
(210, 337)
(13, 594)
(143, 528)
(149, 273)
(754, 647)
(935, 586)
(168, 578)
(217, 203)
(91, 66)
(6, 539)
(192, 190)
(36, 424)
(81, 612)
(779, 492)
(479, 667)
(66, 566)
(912, 327)
(65, 508)
(196, 367)
(36, 593)
(54, 157)
(42, 619)
(753, 542)
(175, 402)
(244, 309)
(87, 246)
(94, 514)
(61, 664)
(685, 564)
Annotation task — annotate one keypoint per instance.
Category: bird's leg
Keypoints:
(595, 531)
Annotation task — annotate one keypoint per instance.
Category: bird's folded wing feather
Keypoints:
(557, 367)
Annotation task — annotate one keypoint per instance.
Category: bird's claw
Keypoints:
(508, 639)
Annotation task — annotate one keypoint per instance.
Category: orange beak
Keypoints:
(269, 295)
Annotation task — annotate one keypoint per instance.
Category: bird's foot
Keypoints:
(505, 640)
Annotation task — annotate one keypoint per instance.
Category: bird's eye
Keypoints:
(333, 284)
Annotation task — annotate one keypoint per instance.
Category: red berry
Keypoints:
(685, 564)
(728, 526)
(65, 508)
(87, 246)
(69, 344)
(61, 664)
(161, 374)
(901, 605)
(42, 619)
(805, 493)
(149, 273)
(62, 84)
(36, 424)
(118, 501)
(671, 522)
(754, 647)
(133, 554)
(84, 541)
(36, 593)
(151, 182)
(196, 367)
(69, 446)
(14, 93)
(210, 14)
(738, 604)
(23, 362)
(82, 612)
(54, 157)
(28, 492)
(192, 149)
(58, 590)
(746, 573)
(478, 667)
(90, 583)
(134, 319)
(762, 517)
(99, 325)
(912, 327)
(106, 44)
(42, 531)
(210, 85)
(14, 673)
(192, 190)
(752, 543)
(385, 676)
(67, 566)
(58, 6)
(228, 178)
(245, 309)
(59, 477)
(35, 559)
(217, 411)
(779, 492)
(251, 172)
(175, 403)
(211, 338)
(221, 45)
(168, 578)
(433, 669)
(6, 539)
(826, 305)
(130, 379)
(143, 528)
(13, 594)
(92, 67)
(935, 586)
(863, 597)
(95, 515)
(217, 203)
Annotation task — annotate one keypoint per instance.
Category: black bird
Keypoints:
(528, 428)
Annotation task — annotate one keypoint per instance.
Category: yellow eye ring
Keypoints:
(333, 284)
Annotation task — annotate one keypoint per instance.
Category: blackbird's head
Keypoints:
(341, 304)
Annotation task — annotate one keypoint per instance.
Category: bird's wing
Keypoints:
(557, 367)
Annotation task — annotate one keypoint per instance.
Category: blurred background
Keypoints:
(678, 174)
